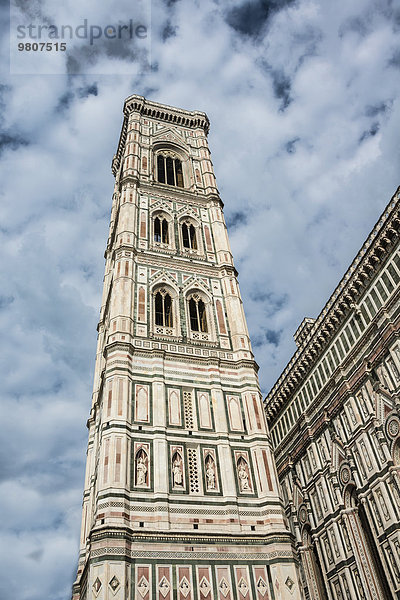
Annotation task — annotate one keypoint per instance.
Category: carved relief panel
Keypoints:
(211, 477)
(141, 467)
(177, 469)
(242, 467)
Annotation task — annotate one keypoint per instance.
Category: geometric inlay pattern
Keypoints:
(114, 584)
(204, 587)
(261, 586)
(164, 586)
(97, 585)
(143, 586)
(184, 587)
(224, 587)
(289, 583)
(243, 587)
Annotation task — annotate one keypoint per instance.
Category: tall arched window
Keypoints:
(161, 230)
(169, 170)
(163, 309)
(197, 314)
(189, 236)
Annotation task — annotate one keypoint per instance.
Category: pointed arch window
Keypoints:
(197, 314)
(161, 230)
(163, 310)
(169, 170)
(189, 236)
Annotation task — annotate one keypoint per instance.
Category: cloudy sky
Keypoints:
(303, 98)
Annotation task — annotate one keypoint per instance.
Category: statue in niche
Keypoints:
(243, 476)
(141, 469)
(177, 472)
(210, 474)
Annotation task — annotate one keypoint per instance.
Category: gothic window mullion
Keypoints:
(163, 310)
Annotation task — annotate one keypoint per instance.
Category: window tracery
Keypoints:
(161, 233)
(189, 237)
(197, 314)
(165, 315)
(169, 169)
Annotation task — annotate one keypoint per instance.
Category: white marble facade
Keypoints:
(334, 417)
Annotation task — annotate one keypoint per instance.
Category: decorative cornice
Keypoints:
(162, 112)
(336, 310)
(192, 538)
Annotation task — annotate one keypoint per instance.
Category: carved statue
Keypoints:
(210, 474)
(243, 477)
(141, 471)
(177, 472)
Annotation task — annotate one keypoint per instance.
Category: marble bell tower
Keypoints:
(181, 500)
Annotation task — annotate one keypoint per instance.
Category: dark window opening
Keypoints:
(163, 310)
(192, 237)
(157, 230)
(189, 236)
(164, 231)
(161, 168)
(160, 230)
(179, 174)
(197, 314)
(169, 170)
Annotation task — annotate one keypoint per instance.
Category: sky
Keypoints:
(303, 99)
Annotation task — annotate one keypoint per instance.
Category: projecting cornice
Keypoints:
(162, 112)
(336, 310)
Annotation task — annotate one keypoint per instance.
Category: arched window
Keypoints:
(197, 314)
(163, 310)
(169, 170)
(189, 236)
(161, 230)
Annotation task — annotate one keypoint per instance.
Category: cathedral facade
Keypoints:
(334, 418)
(181, 498)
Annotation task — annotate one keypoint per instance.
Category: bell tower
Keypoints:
(181, 497)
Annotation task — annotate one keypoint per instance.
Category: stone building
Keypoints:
(334, 418)
(181, 498)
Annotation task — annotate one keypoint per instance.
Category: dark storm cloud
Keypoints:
(394, 60)
(281, 82)
(235, 219)
(273, 337)
(376, 109)
(290, 146)
(282, 87)
(373, 130)
(168, 31)
(11, 141)
(249, 18)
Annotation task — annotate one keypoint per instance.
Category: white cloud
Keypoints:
(304, 121)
